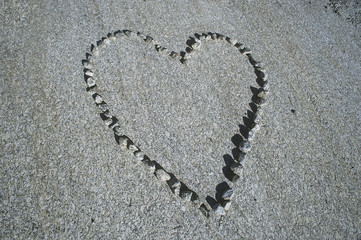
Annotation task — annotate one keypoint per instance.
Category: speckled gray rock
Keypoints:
(245, 146)
(237, 168)
(219, 210)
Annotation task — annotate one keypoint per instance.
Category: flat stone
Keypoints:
(237, 168)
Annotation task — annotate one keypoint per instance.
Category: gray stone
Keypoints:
(227, 205)
(237, 168)
(219, 210)
(150, 165)
(245, 146)
(139, 155)
(90, 82)
(186, 195)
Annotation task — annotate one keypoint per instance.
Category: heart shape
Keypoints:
(234, 166)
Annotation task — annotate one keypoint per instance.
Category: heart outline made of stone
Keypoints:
(232, 171)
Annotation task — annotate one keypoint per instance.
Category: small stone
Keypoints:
(117, 131)
(245, 50)
(186, 195)
(208, 37)
(112, 37)
(150, 164)
(174, 54)
(148, 39)
(174, 183)
(227, 205)
(241, 157)
(90, 82)
(251, 135)
(237, 168)
(95, 52)
(139, 155)
(245, 146)
(262, 94)
(141, 35)
(123, 142)
(196, 45)
(214, 36)
(89, 73)
(231, 41)
(107, 114)
(221, 37)
(256, 128)
(261, 73)
(202, 37)
(98, 99)
(128, 33)
(132, 147)
(265, 86)
(218, 209)
(118, 34)
(106, 41)
(204, 210)
(162, 175)
(103, 107)
(87, 65)
(108, 121)
(228, 194)
(197, 39)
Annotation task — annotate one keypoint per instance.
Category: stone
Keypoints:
(204, 210)
(221, 36)
(174, 54)
(196, 45)
(241, 157)
(89, 73)
(108, 121)
(90, 82)
(150, 165)
(245, 50)
(87, 65)
(131, 147)
(103, 107)
(106, 41)
(186, 195)
(251, 135)
(117, 131)
(174, 183)
(123, 142)
(139, 155)
(148, 39)
(162, 175)
(214, 36)
(227, 205)
(218, 209)
(245, 146)
(237, 168)
(228, 194)
(98, 99)
(118, 34)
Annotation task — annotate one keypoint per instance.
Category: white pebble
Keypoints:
(162, 175)
(98, 99)
(90, 82)
(123, 142)
(106, 41)
(132, 147)
(139, 155)
(245, 146)
(89, 73)
(108, 121)
(228, 194)
(227, 205)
